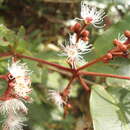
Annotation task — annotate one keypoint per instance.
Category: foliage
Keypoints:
(37, 28)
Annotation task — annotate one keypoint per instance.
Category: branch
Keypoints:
(44, 62)
(104, 75)
(67, 89)
(83, 83)
(91, 63)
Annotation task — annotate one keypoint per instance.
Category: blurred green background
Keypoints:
(37, 28)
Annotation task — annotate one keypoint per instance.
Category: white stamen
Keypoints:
(122, 38)
(74, 50)
(14, 105)
(56, 97)
(89, 12)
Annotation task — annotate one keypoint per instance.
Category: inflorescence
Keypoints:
(19, 82)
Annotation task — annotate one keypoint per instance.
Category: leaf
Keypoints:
(124, 71)
(108, 113)
(104, 42)
(21, 32)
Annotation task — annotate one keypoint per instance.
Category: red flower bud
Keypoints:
(127, 33)
(85, 33)
(76, 27)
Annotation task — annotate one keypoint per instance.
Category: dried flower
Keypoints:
(56, 97)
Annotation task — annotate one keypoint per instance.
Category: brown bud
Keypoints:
(123, 47)
(76, 27)
(127, 33)
(115, 42)
(109, 55)
(85, 33)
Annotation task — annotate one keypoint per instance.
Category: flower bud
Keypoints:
(76, 27)
(85, 33)
(127, 33)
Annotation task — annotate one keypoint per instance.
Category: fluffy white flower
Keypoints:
(92, 14)
(122, 38)
(83, 46)
(14, 105)
(14, 122)
(22, 86)
(56, 97)
(22, 79)
(74, 50)
(18, 69)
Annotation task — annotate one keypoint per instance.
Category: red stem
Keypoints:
(44, 62)
(79, 33)
(70, 82)
(5, 54)
(91, 63)
(83, 83)
(3, 77)
(104, 75)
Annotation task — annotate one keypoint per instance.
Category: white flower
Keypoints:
(92, 14)
(121, 38)
(56, 97)
(22, 86)
(74, 51)
(14, 105)
(22, 79)
(14, 122)
(83, 46)
(18, 69)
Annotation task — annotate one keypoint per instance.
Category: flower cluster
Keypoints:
(22, 83)
(18, 90)
(78, 43)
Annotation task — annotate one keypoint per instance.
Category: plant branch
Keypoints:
(91, 63)
(83, 83)
(44, 62)
(104, 75)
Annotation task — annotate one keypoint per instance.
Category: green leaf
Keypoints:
(104, 42)
(108, 113)
(21, 32)
(124, 70)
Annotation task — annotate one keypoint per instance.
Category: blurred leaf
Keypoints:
(105, 41)
(107, 110)
(21, 32)
(124, 71)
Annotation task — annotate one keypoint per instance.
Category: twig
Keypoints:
(104, 75)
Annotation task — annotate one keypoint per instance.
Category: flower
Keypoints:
(18, 69)
(13, 105)
(21, 74)
(56, 97)
(14, 122)
(22, 86)
(83, 46)
(91, 15)
(121, 38)
(74, 50)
